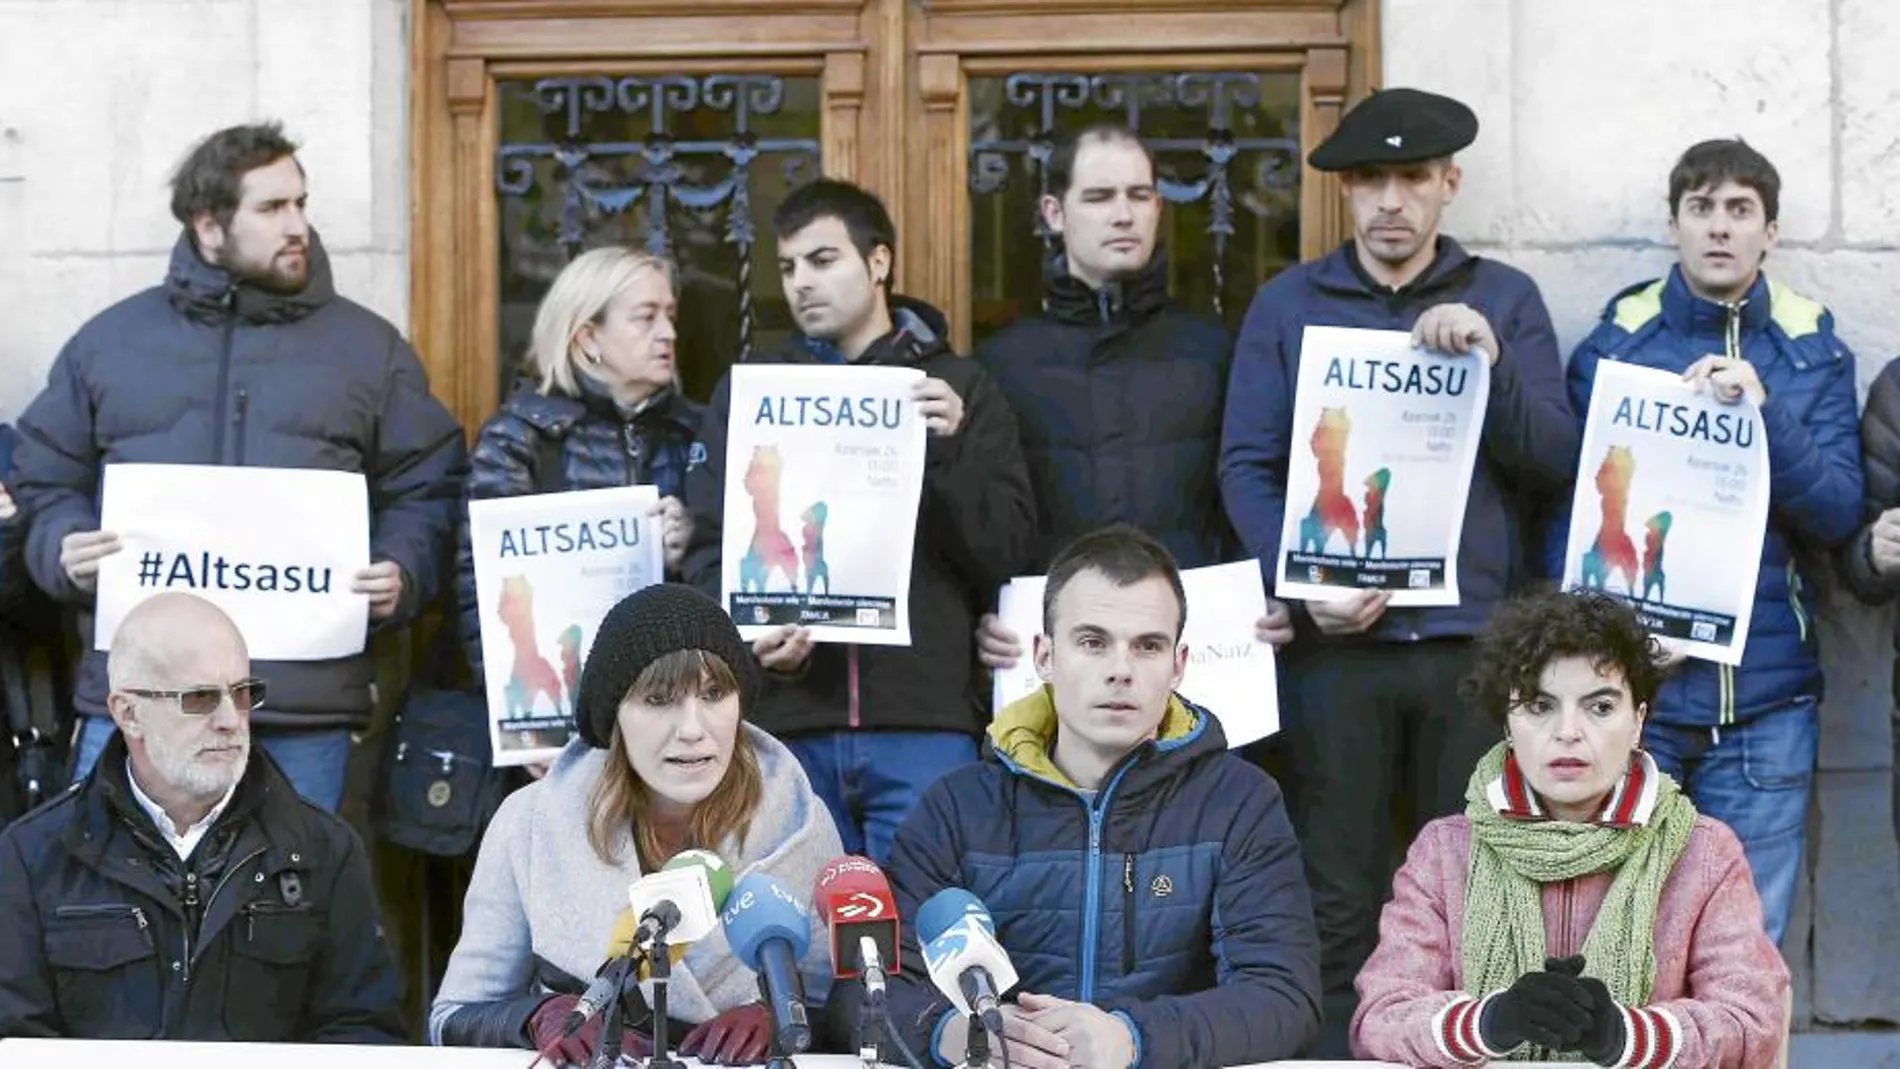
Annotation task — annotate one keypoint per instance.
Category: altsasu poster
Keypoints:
(824, 471)
(1664, 464)
(1384, 440)
(547, 569)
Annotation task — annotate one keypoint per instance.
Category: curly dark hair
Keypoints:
(1529, 632)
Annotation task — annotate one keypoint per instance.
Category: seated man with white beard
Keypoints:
(183, 890)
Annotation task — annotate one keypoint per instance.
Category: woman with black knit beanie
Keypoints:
(664, 762)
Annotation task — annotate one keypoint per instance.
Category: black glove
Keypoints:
(1549, 1009)
(1603, 1041)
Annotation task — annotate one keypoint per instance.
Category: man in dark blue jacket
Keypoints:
(183, 890)
(1144, 882)
(1742, 740)
(1373, 695)
(1117, 390)
(246, 356)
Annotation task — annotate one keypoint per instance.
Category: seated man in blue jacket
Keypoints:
(1742, 740)
(1145, 882)
(1373, 710)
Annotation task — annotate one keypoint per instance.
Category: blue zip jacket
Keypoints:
(1175, 898)
(1527, 456)
(1814, 470)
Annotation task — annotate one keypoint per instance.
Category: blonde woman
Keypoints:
(665, 762)
(604, 410)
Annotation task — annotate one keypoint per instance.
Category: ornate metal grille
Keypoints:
(1226, 147)
(684, 166)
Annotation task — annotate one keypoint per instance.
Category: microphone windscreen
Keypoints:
(759, 910)
(718, 873)
(941, 911)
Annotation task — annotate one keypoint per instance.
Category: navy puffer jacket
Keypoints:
(1814, 473)
(1118, 393)
(1174, 897)
(600, 445)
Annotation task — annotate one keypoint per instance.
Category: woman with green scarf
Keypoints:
(1580, 909)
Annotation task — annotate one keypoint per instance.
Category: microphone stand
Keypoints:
(978, 1055)
(660, 963)
(873, 1018)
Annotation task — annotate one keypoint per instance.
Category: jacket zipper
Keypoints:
(222, 880)
(1724, 675)
(1570, 887)
(224, 370)
(1092, 887)
(110, 910)
(851, 662)
(237, 423)
(1128, 914)
(192, 917)
(636, 452)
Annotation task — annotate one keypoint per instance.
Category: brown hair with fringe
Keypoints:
(621, 800)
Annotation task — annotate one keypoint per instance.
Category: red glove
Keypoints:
(741, 1036)
(578, 1049)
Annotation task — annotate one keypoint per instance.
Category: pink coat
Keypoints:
(1720, 984)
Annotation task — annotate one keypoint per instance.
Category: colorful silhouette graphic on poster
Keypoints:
(1332, 511)
(814, 538)
(1656, 534)
(570, 643)
(1613, 551)
(771, 549)
(1376, 486)
(532, 677)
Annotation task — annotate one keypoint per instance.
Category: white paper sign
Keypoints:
(824, 470)
(1229, 672)
(276, 548)
(1384, 440)
(547, 569)
(1663, 465)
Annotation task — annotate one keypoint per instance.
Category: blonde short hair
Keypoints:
(579, 296)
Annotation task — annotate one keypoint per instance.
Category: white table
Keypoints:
(61, 1053)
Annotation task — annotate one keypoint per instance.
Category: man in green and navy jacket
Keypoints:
(1742, 740)
(1145, 883)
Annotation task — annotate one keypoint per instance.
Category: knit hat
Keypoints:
(649, 624)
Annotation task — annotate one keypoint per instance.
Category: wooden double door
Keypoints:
(541, 128)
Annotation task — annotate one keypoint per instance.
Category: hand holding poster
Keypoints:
(835, 454)
(276, 548)
(1229, 672)
(547, 569)
(1384, 440)
(1663, 462)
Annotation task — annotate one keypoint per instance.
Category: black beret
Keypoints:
(646, 625)
(1396, 126)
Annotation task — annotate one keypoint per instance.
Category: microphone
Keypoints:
(609, 980)
(677, 902)
(769, 931)
(961, 953)
(856, 900)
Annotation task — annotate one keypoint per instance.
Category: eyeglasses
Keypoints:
(246, 695)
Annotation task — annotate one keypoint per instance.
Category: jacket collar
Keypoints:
(106, 802)
(557, 411)
(208, 294)
(918, 331)
(1024, 733)
(1698, 317)
(1127, 302)
(1630, 805)
(1341, 272)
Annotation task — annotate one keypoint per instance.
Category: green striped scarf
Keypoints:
(1511, 860)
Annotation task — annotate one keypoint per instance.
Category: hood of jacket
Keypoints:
(918, 331)
(206, 293)
(1024, 734)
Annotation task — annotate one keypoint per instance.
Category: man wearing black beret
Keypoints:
(1372, 695)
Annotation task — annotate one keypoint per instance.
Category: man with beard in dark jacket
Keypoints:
(873, 726)
(1118, 392)
(182, 890)
(1374, 694)
(246, 355)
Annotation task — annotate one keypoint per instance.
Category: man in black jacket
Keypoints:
(245, 356)
(874, 726)
(1871, 562)
(183, 890)
(1117, 390)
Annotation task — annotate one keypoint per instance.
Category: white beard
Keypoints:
(181, 767)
